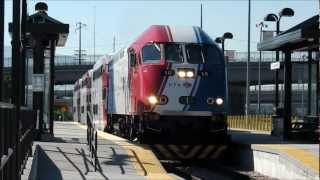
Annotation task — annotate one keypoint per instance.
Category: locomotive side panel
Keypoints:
(83, 103)
(118, 91)
(96, 85)
(75, 102)
(99, 93)
(98, 97)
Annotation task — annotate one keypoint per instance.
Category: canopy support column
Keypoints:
(287, 90)
(52, 55)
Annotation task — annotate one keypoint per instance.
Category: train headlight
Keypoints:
(186, 73)
(181, 74)
(190, 74)
(219, 101)
(153, 100)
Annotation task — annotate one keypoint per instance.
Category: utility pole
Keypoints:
(201, 16)
(248, 60)
(114, 44)
(1, 45)
(94, 33)
(79, 27)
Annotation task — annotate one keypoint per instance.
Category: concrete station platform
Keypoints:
(66, 156)
(276, 158)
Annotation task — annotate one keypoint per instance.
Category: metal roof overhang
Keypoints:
(61, 30)
(41, 23)
(302, 37)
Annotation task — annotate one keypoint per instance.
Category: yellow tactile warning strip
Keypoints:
(304, 157)
(189, 152)
(142, 157)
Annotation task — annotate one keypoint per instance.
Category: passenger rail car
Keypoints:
(99, 93)
(76, 101)
(85, 96)
(170, 82)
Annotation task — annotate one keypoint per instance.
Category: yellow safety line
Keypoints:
(306, 158)
(146, 164)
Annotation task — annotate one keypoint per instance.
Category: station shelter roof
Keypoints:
(302, 37)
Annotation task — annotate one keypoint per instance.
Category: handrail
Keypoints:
(15, 143)
(6, 105)
(5, 158)
(92, 138)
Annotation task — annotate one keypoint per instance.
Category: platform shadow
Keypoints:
(43, 167)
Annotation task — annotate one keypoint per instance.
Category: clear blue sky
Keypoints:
(127, 19)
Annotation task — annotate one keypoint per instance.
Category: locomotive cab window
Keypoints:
(194, 54)
(212, 55)
(173, 53)
(133, 59)
(151, 53)
(104, 93)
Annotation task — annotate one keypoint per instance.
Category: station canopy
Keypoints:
(302, 37)
(41, 23)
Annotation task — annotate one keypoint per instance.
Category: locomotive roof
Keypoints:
(161, 34)
(103, 60)
(117, 55)
(179, 34)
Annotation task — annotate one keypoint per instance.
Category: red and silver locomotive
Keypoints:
(170, 82)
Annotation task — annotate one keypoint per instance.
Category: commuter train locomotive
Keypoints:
(170, 81)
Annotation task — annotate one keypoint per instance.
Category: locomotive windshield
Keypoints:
(212, 54)
(194, 54)
(151, 53)
(173, 53)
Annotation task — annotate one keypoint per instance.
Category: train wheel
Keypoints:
(132, 132)
(109, 128)
(122, 131)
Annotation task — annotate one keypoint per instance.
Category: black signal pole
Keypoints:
(23, 53)
(285, 12)
(15, 75)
